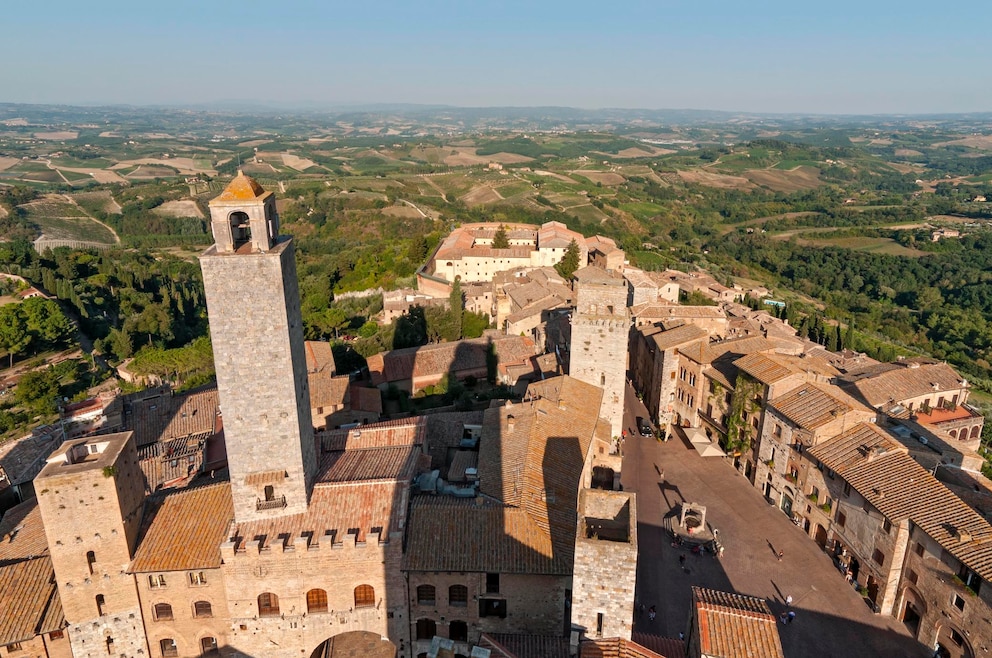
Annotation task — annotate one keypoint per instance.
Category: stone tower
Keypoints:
(90, 494)
(600, 327)
(253, 303)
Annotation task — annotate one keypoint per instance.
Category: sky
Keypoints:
(836, 57)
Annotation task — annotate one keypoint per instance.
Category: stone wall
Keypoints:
(605, 565)
(291, 572)
(184, 628)
(257, 335)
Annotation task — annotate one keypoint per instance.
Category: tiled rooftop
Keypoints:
(506, 645)
(363, 464)
(399, 432)
(735, 626)
(28, 600)
(22, 534)
(530, 459)
(241, 188)
(880, 469)
(813, 405)
(184, 529)
(441, 358)
(902, 380)
(619, 648)
(166, 416)
(334, 510)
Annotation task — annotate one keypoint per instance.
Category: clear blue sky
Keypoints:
(834, 56)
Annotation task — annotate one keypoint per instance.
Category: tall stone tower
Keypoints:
(600, 328)
(253, 302)
(90, 493)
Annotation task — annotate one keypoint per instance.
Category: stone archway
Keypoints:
(914, 608)
(951, 643)
(355, 643)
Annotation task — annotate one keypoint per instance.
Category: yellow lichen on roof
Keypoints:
(242, 188)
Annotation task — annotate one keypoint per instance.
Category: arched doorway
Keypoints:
(913, 610)
(951, 643)
(820, 536)
(603, 478)
(355, 643)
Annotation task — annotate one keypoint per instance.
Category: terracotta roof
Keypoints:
(591, 275)
(319, 354)
(460, 462)
(665, 340)
(27, 594)
(880, 469)
(902, 380)
(164, 417)
(813, 405)
(506, 645)
(662, 311)
(669, 647)
(943, 415)
(22, 534)
(22, 459)
(184, 529)
(769, 368)
(446, 431)
(735, 626)
(441, 358)
(327, 390)
(366, 399)
(399, 432)
(334, 509)
(618, 648)
(265, 477)
(530, 460)
(241, 188)
(369, 464)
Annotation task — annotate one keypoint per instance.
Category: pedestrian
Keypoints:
(788, 600)
(652, 613)
(682, 636)
(780, 554)
(783, 618)
(791, 616)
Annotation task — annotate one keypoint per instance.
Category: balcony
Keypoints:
(276, 503)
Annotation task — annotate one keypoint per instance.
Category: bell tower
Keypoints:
(253, 304)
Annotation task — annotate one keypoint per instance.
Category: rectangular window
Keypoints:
(911, 576)
(197, 578)
(778, 430)
(599, 624)
(866, 506)
(56, 635)
(847, 489)
(879, 557)
(887, 525)
(492, 583)
(957, 602)
(841, 519)
(156, 580)
(13, 647)
(918, 549)
(492, 608)
(830, 474)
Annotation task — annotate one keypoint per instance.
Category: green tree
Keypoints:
(38, 391)
(473, 324)
(569, 262)
(14, 334)
(46, 321)
(500, 241)
(456, 306)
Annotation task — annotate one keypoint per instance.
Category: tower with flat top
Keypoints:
(253, 304)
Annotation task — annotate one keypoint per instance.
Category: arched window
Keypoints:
(974, 432)
(268, 605)
(426, 629)
(240, 228)
(364, 596)
(458, 596)
(100, 603)
(203, 609)
(426, 595)
(316, 600)
(168, 647)
(163, 612)
(90, 560)
(458, 631)
(208, 646)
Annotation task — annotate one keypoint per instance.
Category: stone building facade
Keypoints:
(600, 328)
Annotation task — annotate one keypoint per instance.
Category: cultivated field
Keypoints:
(59, 218)
(791, 180)
(710, 179)
(179, 208)
(604, 177)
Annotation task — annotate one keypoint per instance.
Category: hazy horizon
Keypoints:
(776, 58)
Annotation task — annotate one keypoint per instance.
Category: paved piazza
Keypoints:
(831, 621)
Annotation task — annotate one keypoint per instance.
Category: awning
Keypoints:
(709, 449)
